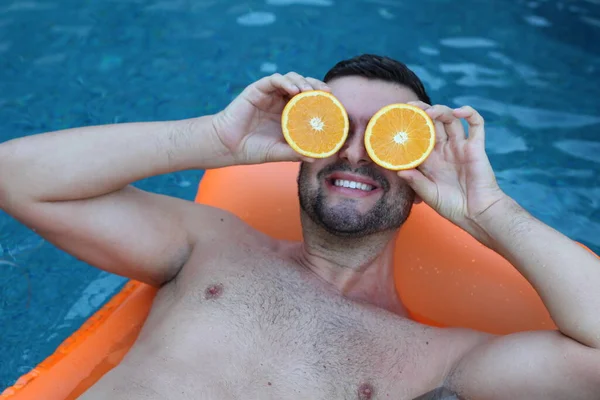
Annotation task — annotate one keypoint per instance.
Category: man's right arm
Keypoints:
(73, 188)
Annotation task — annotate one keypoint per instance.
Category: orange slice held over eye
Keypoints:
(399, 137)
(315, 124)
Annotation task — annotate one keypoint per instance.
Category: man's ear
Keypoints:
(417, 200)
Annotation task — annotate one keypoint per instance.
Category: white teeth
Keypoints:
(353, 185)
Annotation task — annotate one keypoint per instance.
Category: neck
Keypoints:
(361, 269)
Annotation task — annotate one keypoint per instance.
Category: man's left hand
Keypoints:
(457, 179)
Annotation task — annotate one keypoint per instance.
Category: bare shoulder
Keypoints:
(207, 224)
(533, 365)
(220, 236)
(203, 219)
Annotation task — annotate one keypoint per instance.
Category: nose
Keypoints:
(354, 150)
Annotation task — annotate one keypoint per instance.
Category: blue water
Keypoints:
(531, 68)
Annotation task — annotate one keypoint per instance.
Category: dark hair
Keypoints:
(379, 67)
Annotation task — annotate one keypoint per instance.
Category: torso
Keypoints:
(246, 322)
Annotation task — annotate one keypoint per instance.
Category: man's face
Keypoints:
(376, 199)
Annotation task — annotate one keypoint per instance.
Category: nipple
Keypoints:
(213, 291)
(365, 391)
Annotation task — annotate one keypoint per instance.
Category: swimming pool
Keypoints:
(529, 67)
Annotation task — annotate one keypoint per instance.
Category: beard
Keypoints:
(344, 219)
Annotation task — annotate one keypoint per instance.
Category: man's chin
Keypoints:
(348, 208)
(345, 225)
(344, 232)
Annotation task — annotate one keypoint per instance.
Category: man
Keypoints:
(240, 315)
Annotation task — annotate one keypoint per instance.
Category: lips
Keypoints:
(351, 185)
(350, 177)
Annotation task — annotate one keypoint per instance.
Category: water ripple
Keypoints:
(468, 42)
(96, 293)
(28, 6)
(582, 149)
(429, 80)
(15, 288)
(472, 75)
(529, 117)
(50, 59)
(384, 13)
(500, 140)
(537, 21)
(168, 5)
(393, 3)
(81, 31)
(321, 3)
(525, 71)
(567, 209)
(430, 51)
(180, 5)
(256, 18)
(591, 21)
(268, 67)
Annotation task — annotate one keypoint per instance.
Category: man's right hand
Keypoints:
(250, 127)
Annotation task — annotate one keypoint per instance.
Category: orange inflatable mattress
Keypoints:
(444, 276)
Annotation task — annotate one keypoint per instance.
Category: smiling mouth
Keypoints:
(352, 185)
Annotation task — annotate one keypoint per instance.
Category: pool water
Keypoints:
(530, 67)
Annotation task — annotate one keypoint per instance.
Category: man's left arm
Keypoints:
(564, 274)
(457, 181)
(535, 365)
(563, 364)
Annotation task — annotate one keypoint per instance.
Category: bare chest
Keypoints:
(253, 325)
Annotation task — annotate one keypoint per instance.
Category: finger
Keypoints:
(421, 104)
(276, 82)
(318, 85)
(281, 151)
(476, 124)
(424, 188)
(451, 124)
(299, 81)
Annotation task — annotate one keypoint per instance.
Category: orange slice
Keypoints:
(315, 124)
(400, 136)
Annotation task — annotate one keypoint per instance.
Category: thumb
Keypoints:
(283, 152)
(422, 185)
